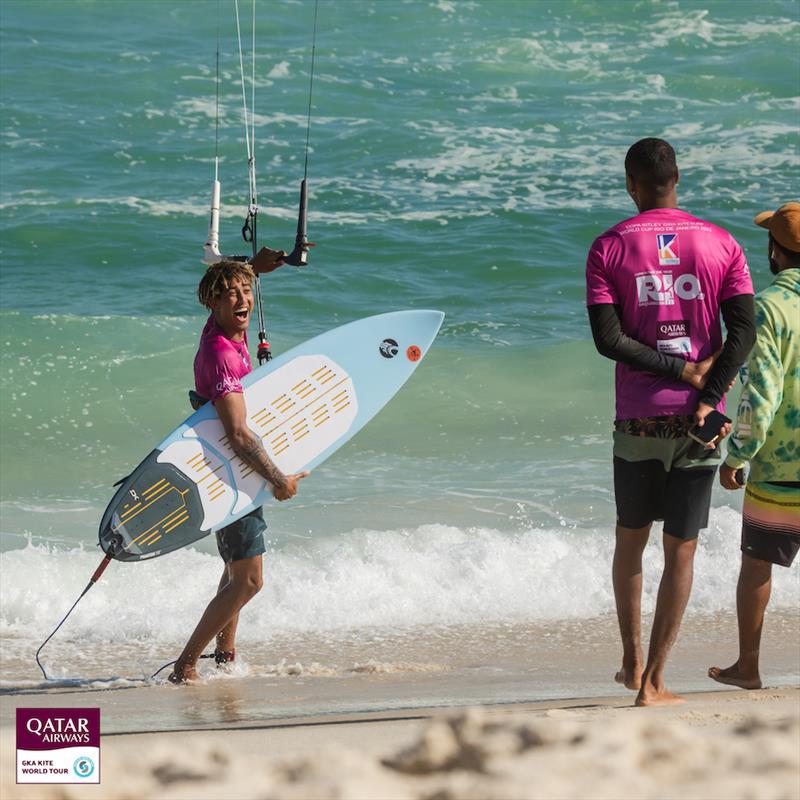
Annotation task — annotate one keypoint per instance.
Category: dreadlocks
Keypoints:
(220, 276)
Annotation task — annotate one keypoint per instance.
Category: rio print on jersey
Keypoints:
(660, 288)
(303, 406)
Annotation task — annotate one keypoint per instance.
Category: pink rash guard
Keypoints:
(668, 272)
(220, 363)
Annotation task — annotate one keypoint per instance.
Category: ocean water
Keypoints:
(463, 157)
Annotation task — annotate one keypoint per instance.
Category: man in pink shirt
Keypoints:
(222, 361)
(656, 286)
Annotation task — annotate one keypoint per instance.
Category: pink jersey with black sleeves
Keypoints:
(668, 272)
(220, 363)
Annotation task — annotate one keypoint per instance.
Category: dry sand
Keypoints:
(721, 745)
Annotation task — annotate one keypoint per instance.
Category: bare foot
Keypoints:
(630, 678)
(733, 677)
(183, 674)
(650, 696)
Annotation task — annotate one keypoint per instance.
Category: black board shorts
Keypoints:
(656, 478)
(243, 538)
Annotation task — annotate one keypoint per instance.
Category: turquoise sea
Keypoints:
(464, 154)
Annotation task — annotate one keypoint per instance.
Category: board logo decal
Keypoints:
(388, 348)
(414, 353)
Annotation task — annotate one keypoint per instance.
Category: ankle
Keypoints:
(652, 682)
(224, 656)
(632, 658)
(748, 662)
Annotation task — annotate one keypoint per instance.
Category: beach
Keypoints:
(457, 714)
(730, 744)
(456, 553)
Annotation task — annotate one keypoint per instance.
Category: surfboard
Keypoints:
(303, 406)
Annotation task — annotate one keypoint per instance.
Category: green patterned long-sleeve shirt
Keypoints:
(767, 428)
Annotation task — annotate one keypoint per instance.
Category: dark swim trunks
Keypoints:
(659, 476)
(243, 538)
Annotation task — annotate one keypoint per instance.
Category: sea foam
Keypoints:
(433, 575)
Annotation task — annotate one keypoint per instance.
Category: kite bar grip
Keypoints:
(211, 252)
(299, 255)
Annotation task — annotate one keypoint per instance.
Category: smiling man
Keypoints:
(221, 362)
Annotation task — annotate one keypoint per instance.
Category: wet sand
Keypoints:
(358, 671)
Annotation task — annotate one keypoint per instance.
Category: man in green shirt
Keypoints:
(767, 435)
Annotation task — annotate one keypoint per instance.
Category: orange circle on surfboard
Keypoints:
(414, 353)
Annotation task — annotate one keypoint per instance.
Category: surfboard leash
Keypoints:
(92, 581)
(96, 575)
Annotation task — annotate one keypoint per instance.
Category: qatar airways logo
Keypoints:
(674, 337)
(660, 288)
(59, 730)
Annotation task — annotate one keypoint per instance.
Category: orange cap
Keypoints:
(783, 224)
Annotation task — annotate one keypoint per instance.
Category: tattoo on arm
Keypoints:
(252, 452)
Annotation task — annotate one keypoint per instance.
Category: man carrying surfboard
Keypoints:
(657, 284)
(222, 360)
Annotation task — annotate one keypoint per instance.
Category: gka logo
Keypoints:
(83, 766)
(659, 288)
(388, 348)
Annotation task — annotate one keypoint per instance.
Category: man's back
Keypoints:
(668, 273)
